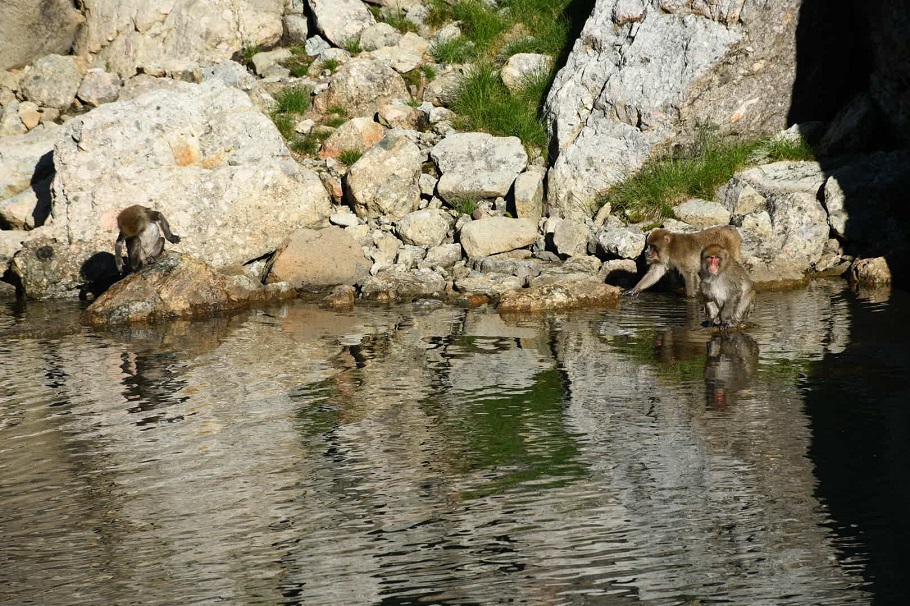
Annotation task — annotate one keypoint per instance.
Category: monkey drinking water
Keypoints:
(680, 251)
(142, 231)
(725, 287)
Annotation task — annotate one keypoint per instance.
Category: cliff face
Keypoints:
(645, 74)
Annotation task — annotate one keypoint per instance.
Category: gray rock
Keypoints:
(355, 134)
(340, 21)
(315, 259)
(522, 68)
(489, 284)
(391, 286)
(497, 234)
(571, 238)
(871, 272)
(11, 241)
(125, 35)
(30, 30)
(444, 256)
(378, 36)
(584, 294)
(528, 193)
(316, 45)
(443, 89)
(425, 227)
(617, 240)
(296, 29)
(27, 157)
(195, 151)
(264, 60)
(53, 81)
(345, 219)
(477, 165)
(384, 180)
(10, 123)
(99, 86)
(405, 55)
(640, 73)
(787, 238)
(702, 213)
(230, 73)
(409, 256)
(362, 87)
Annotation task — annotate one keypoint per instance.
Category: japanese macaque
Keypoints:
(143, 231)
(682, 252)
(726, 288)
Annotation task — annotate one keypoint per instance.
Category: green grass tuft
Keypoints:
(330, 64)
(454, 50)
(465, 207)
(352, 45)
(350, 156)
(285, 124)
(694, 172)
(778, 148)
(293, 100)
(484, 103)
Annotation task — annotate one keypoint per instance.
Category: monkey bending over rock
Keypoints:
(143, 231)
(682, 252)
(726, 288)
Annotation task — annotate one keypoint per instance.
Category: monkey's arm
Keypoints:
(118, 253)
(655, 273)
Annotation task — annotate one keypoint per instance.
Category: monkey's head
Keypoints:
(657, 243)
(714, 259)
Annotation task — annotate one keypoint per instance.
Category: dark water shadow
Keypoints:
(848, 75)
(858, 403)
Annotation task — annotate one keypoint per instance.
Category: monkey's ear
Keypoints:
(667, 238)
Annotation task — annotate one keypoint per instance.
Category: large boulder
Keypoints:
(361, 87)
(203, 155)
(341, 21)
(29, 30)
(646, 73)
(125, 35)
(318, 258)
(477, 165)
(384, 180)
(497, 234)
(785, 228)
(53, 81)
(177, 286)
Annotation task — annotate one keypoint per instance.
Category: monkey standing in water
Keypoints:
(726, 288)
(667, 250)
(143, 231)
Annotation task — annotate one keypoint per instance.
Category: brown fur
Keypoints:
(142, 232)
(682, 252)
(726, 289)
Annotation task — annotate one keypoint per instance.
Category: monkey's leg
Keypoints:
(166, 229)
(692, 281)
(154, 251)
(134, 247)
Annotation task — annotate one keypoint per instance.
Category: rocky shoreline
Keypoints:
(392, 204)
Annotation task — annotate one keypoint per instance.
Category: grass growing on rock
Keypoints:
(693, 172)
(484, 103)
(489, 38)
(350, 156)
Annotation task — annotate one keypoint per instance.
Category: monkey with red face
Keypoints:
(680, 251)
(142, 231)
(726, 289)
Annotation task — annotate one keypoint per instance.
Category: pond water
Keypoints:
(434, 455)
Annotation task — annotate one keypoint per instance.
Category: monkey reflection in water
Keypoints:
(142, 231)
(732, 359)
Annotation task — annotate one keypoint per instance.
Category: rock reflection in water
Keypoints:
(426, 453)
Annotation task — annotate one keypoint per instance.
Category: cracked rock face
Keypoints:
(642, 72)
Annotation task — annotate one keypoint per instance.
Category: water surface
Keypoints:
(433, 455)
